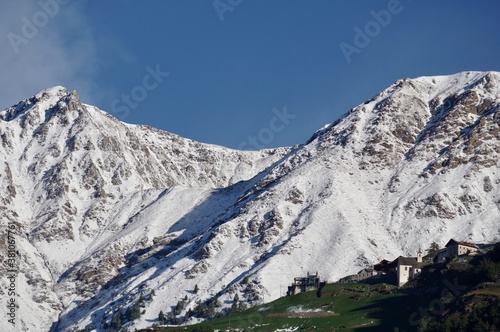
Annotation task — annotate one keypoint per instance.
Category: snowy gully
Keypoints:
(11, 274)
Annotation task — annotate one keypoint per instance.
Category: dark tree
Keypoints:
(161, 317)
(116, 321)
(136, 311)
(433, 249)
(128, 314)
(495, 253)
(179, 307)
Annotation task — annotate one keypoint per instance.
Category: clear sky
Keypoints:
(238, 73)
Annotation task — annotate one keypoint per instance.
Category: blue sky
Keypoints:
(241, 73)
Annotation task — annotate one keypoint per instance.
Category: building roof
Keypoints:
(384, 265)
(440, 251)
(411, 261)
(368, 269)
(462, 243)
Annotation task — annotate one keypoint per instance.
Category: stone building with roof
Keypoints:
(408, 268)
(302, 284)
(457, 248)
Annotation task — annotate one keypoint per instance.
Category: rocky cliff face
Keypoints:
(69, 173)
(107, 211)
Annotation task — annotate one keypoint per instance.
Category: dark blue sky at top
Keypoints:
(229, 78)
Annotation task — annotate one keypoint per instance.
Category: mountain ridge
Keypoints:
(135, 209)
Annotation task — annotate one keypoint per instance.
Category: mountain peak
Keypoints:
(56, 91)
(43, 100)
(111, 212)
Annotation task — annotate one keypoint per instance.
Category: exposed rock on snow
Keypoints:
(106, 211)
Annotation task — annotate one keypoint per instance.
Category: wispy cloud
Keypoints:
(60, 50)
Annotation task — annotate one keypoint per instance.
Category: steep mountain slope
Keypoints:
(73, 178)
(415, 164)
(108, 211)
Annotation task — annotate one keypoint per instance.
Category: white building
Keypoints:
(457, 248)
(408, 268)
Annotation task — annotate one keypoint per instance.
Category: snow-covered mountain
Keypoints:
(106, 212)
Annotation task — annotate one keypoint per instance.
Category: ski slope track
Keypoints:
(106, 211)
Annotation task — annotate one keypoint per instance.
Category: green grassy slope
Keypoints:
(458, 295)
(340, 307)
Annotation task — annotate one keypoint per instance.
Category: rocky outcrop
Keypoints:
(106, 213)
